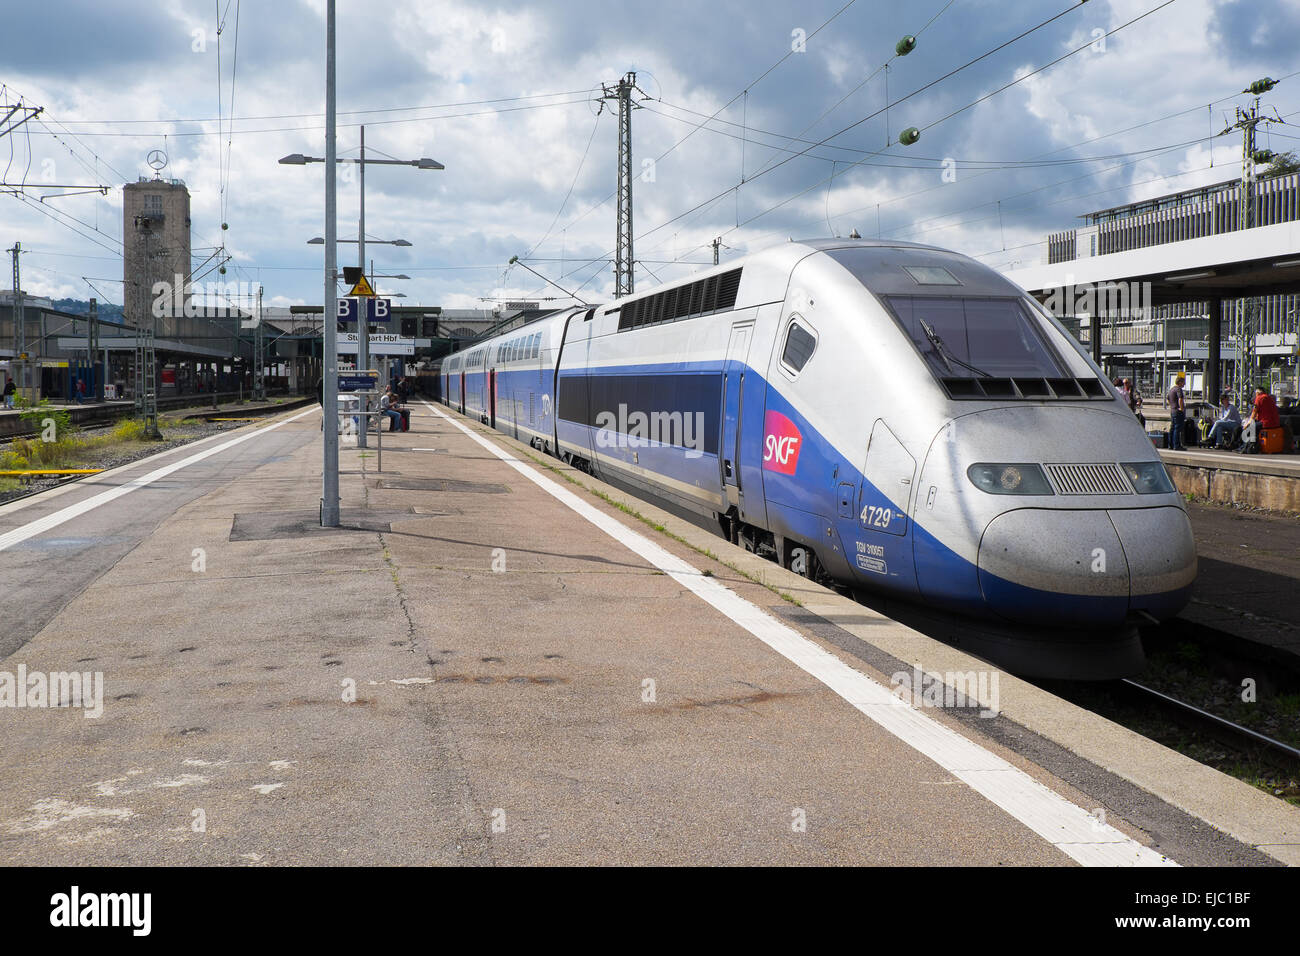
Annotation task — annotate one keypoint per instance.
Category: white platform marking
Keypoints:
(1069, 828)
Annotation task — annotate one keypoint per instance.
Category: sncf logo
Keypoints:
(781, 444)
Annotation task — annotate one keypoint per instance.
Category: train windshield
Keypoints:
(975, 337)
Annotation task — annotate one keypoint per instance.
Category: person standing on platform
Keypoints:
(1177, 413)
(9, 392)
(1135, 401)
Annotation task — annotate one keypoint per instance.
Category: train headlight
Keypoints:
(1019, 478)
(1148, 477)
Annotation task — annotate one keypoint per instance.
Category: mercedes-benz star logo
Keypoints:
(157, 159)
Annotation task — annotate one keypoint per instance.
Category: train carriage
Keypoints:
(893, 416)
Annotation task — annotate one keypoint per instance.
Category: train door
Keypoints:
(492, 399)
(884, 547)
(733, 407)
(571, 392)
(462, 393)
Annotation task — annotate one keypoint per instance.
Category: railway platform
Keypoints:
(1258, 481)
(498, 659)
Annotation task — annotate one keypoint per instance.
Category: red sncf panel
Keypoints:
(781, 444)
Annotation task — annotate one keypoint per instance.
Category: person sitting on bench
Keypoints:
(388, 405)
(1224, 431)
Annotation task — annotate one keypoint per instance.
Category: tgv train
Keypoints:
(892, 416)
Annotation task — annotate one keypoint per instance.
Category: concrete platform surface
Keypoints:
(499, 660)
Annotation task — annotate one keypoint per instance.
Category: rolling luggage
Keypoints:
(1272, 440)
(406, 419)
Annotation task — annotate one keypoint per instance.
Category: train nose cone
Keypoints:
(1088, 567)
(1161, 555)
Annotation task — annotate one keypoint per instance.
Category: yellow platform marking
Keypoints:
(55, 471)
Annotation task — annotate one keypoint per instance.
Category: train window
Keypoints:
(931, 275)
(799, 345)
(983, 338)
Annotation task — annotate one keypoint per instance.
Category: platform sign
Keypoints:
(358, 381)
(381, 343)
(373, 309)
(1193, 349)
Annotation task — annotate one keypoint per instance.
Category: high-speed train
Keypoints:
(893, 416)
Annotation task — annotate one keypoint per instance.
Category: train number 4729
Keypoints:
(876, 517)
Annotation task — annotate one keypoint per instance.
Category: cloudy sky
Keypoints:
(506, 96)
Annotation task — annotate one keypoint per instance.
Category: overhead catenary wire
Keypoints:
(912, 230)
(744, 90)
(888, 105)
(578, 172)
(307, 129)
(365, 112)
(859, 162)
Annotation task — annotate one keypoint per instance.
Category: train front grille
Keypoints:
(1103, 479)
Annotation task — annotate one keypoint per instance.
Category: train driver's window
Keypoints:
(800, 342)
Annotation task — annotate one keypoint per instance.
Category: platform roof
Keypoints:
(1250, 262)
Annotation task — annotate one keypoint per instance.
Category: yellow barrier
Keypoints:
(52, 471)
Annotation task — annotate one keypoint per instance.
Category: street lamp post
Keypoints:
(329, 506)
(363, 328)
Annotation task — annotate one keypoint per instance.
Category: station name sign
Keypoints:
(380, 344)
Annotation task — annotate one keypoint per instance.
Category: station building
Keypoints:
(1152, 343)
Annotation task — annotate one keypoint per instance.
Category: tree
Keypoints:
(1280, 165)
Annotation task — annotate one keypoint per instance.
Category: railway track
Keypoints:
(1221, 729)
(48, 485)
(1172, 701)
(88, 427)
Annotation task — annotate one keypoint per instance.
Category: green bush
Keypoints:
(11, 460)
(33, 453)
(35, 418)
(129, 429)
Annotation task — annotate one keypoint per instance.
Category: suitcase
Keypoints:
(1159, 439)
(1272, 440)
(406, 419)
